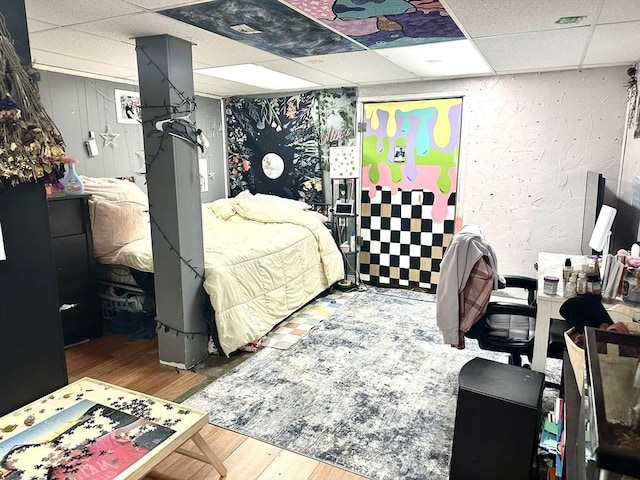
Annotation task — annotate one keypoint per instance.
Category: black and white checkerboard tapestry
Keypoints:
(401, 244)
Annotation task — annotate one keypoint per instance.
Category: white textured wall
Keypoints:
(527, 144)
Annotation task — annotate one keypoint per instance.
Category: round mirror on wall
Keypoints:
(272, 165)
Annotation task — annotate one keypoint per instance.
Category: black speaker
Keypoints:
(497, 422)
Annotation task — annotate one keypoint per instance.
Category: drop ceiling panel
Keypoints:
(209, 48)
(37, 26)
(358, 67)
(614, 44)
(442, 59)
(497, 17)
(534, 51)
(204, 89)
(159, 4)
(44, 59)
(620, 11)
(82, 45)
(316, 75)
(265, 24)
(218, 86)
(70, 12)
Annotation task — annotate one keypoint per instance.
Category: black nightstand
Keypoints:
(74, 262)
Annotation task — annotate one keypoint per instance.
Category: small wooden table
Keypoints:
(91, 429)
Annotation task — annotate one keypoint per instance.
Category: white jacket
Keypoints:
(467, 247)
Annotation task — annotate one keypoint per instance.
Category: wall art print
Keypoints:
(336, 114)
(273, 147)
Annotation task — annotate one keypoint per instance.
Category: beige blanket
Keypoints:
(264, 263)
(265, 257)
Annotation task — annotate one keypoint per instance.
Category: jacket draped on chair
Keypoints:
(468, 275)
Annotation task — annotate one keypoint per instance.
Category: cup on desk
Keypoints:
(550, 286)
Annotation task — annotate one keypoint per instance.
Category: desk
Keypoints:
(549, 305)
(91, 429)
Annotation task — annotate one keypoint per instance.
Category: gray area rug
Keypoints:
(372, 389)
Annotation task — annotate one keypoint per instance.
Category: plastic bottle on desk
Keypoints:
(570, 288)
(581, 285)
(567, 271)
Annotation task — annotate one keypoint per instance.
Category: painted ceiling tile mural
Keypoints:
(413, 146)
(385, 23)
(265, 24)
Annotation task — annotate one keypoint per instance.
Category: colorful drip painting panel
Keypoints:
(410, 156)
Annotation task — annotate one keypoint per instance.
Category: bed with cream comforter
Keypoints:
(265, 257)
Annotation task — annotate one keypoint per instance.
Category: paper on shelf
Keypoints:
(3, 254)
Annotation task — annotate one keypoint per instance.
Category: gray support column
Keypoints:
(165, 76)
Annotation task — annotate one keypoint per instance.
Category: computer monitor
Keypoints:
(593, 200)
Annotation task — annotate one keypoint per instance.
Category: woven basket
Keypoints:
(577, 355)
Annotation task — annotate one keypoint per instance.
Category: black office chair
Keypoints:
(509, 327)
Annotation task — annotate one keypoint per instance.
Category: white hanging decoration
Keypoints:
(142, 169)
(109, 137)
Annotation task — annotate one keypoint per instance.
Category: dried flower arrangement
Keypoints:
(31, 147)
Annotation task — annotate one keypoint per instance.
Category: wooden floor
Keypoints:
(134, 364)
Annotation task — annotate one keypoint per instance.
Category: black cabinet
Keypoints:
(31, 351)
(73, 257)
(497, 422)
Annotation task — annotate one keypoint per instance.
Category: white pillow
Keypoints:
(116, 224)
(119, 213)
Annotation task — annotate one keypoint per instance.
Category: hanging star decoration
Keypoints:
(109, 137)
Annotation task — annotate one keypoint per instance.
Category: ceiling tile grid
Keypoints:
(339, 42)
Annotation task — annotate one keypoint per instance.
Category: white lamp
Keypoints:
(343, 162)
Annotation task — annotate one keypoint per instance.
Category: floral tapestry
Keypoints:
(273, 147)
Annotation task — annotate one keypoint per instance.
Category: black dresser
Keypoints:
(73, 257)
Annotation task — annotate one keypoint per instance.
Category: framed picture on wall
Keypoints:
(128, 106)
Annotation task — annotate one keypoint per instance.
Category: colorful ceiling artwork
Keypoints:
(265, 24)
(274, 26)
(385, 23)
